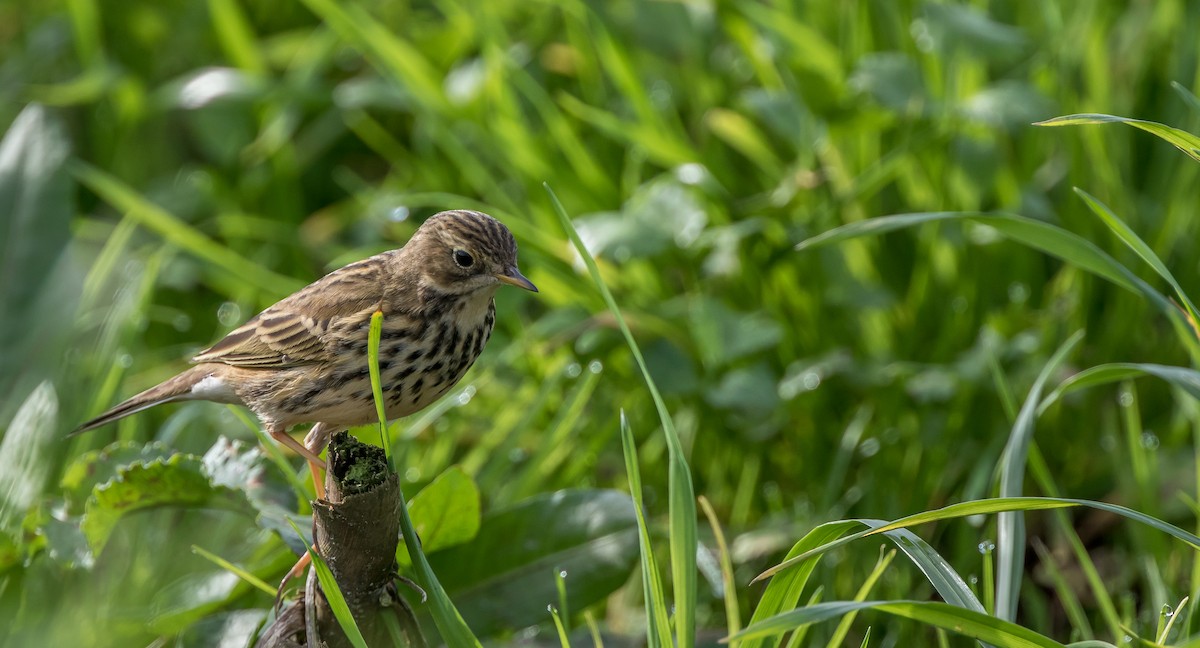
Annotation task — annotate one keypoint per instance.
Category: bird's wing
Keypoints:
(294, 331)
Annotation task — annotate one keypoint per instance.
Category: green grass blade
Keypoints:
(450, 624)
(984, 507)
(1185, 379)
(682, 499)
(1047, 238)
(333, 594)
(1010, 526)
(1135, 243)
(843, 627)
(1180, 139)
(783, 593)
(234, 569)
(122, 197)
(377, 385)
(658, 626)
(970, 623)
(733, 621)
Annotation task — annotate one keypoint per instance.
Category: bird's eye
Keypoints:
(463, 259)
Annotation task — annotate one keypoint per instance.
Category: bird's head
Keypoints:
(465, 251)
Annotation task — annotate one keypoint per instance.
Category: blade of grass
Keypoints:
(658, 625)
(1185, 379)
(733, 621)
(1010, 526)
(333, 594)
(843, 627)
(983, 507)
(682, 498)
(1047, 238)
(376, 384)
(1180, 139)
(941, 615)
(1135, 243)
(450, 624)
(234, 569)
(122, 197)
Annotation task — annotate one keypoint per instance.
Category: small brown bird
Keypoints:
(304, 360)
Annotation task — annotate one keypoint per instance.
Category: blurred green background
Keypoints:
(218, 154)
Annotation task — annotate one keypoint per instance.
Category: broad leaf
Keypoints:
(505, 578)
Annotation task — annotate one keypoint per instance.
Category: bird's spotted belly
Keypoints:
(413, 374)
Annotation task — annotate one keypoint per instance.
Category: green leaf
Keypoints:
(681, 494)
(177, 481)
(98, 466)
(1135, 243)
(136, 206)
(1186, 379)
(1180, 139)
(504, 578)
(450, 623)
(35, 212)
(970, 623)
(783, 592)
(658, 627)
(446, 513)
(337, 601)
(1050, 239)
(1010, 526)
(984, 507)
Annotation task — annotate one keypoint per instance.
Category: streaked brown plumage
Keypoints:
(304, 360)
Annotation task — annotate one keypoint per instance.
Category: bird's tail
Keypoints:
(172, 389)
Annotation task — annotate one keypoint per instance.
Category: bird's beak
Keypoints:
(513, 277)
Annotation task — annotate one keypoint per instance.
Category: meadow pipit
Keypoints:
(304, 360)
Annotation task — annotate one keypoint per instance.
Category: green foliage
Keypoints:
(169, 169)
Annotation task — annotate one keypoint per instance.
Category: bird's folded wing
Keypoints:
(296, 331)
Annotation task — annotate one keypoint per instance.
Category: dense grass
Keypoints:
(222, 154)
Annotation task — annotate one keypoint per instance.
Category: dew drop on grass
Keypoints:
(595, 366)
(573, 370)
(412, 475)
(1018, 292)
(466, 395)
(973, 579)
(229, 314)
(398, 214)
(1167, 610)
(1125, 399)
(124, 360)
(562, 574)
(1150, 440)
(869, 447)
(987, 547)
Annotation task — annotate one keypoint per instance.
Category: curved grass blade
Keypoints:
(123, 197)
(1010, 526)
(783, 593)
(1186, 379)
(1135, 243)
(681, 495)
(1055, 241)
(733, 619)
(970, 623)
(983, 507)
(374, 334)
(450, 624)
(333, 594)
(1180, 139)
(658, 628)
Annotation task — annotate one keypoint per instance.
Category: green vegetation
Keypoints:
(813, 261)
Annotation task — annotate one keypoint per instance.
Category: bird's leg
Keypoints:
(296, 570)
(315, 442)
(315, 464)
